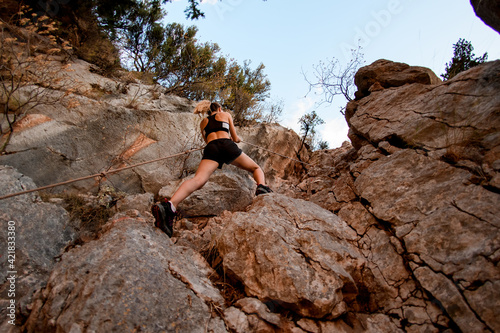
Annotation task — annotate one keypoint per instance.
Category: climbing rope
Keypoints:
(101, 175)
(113, 171)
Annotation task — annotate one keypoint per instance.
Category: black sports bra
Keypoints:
(214, 126)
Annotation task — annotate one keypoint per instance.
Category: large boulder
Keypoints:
(34, 234)
(226, 189)
(132, 278)
(383, 74)
(293, 253)
(275, 149)
(458, 117)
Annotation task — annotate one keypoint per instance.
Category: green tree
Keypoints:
(323, 145)
(196, 70)
(183, 65)
(171, 53)
(178, 61)
(243, 90)
(112, 16)
(91, 25)
(193, 12)
(308, 123)
(463, 59)
(143, 36)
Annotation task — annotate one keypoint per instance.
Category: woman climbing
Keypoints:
(220, 136)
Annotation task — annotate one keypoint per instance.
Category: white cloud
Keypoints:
(295, 111)
(334, 131)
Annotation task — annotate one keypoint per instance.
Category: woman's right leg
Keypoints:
(246, 163)
(205, 170)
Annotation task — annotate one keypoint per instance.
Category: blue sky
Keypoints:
(290, 37)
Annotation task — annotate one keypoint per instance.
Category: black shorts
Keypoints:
(221, 151)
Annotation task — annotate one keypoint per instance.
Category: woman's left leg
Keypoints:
(205, 170)
(246, 163)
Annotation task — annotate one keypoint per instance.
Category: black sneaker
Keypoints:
(164, 217)
(262, 189)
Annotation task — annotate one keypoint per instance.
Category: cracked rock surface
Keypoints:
(396, 232)
(34, 233)
(131, 275)
(117, 123)
(292, 252)
(426, 207)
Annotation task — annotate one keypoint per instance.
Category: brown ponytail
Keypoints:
(206, 106)
(214, 106)
(202, 107)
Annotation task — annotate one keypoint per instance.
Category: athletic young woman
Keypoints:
(220, 135)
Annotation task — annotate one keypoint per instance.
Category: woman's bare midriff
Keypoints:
(217, 135)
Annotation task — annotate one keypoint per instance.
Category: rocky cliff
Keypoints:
(420, 188)
(396, 232)
(107, 123)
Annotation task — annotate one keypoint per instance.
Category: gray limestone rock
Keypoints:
(292, 252)
(33, 235)
(132, 278)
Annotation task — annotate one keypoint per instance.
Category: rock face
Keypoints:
(396, 232)
(293, 253)
(441, 232)
(383, 74)
(488, 11)
(33, 234)
(105, 124)
(132, 278)
(112, 123)
(420, 187)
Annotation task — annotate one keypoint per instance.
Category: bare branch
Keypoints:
(332, 79)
